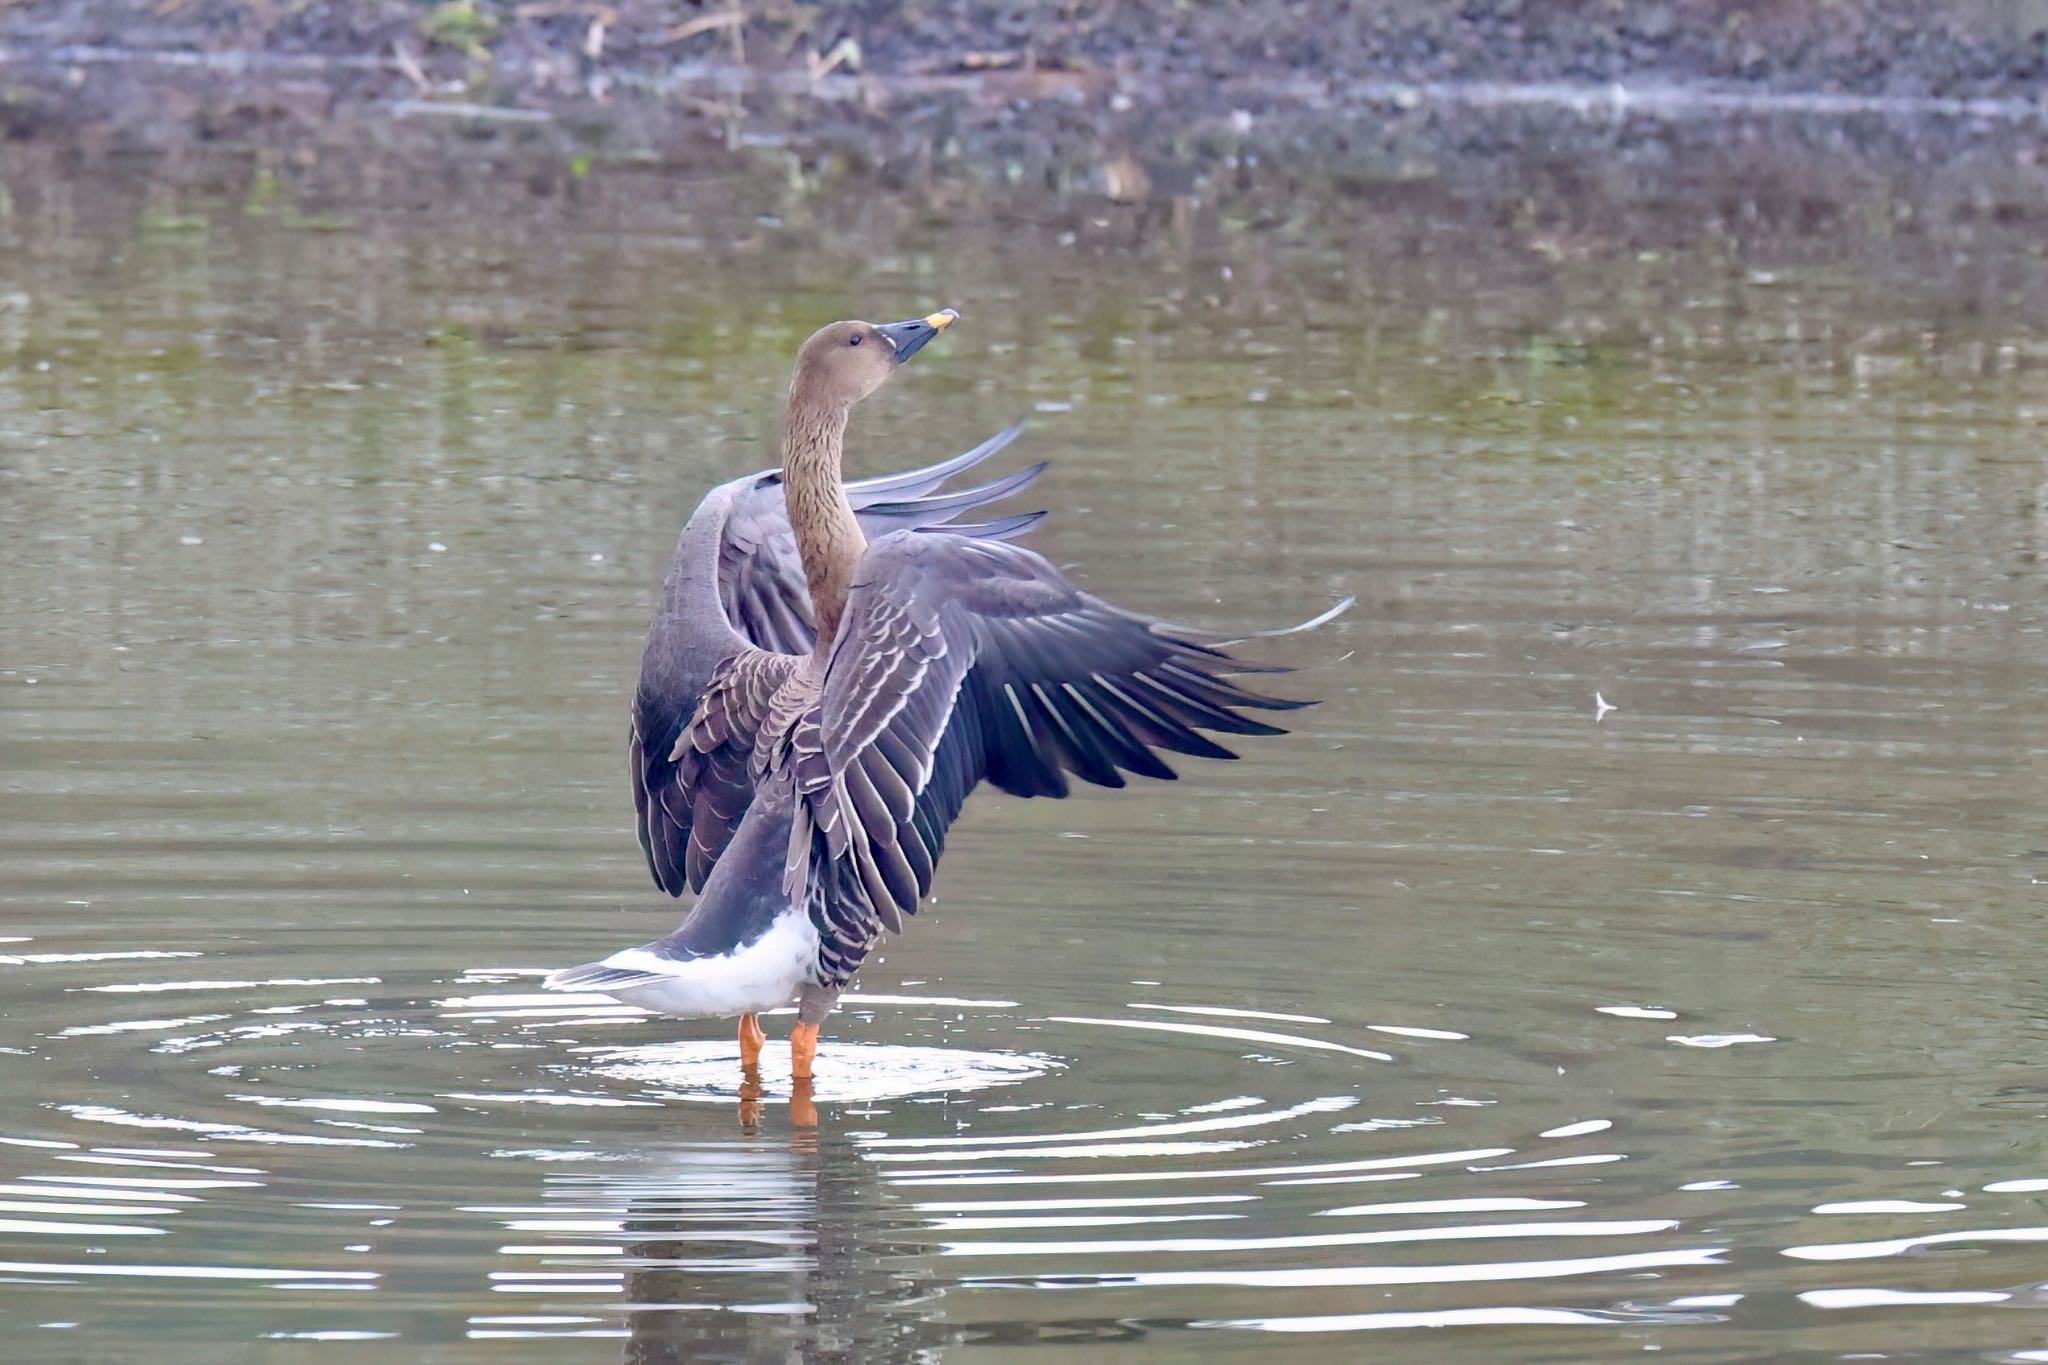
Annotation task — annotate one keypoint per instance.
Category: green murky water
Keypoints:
(1472, 1020)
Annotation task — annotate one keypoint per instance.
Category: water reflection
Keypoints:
(742, 1253)
(814, 1241)
(1477, 1013)
(662, 1210)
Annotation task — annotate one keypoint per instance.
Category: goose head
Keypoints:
(844, 362)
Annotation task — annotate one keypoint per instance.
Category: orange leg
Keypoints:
(803, 1050)
(751, 1038)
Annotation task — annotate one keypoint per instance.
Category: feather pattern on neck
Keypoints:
(828, 536)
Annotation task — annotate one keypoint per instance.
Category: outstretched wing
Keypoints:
(714, 761)
(760, 574)
(736, 583)
(961, 659)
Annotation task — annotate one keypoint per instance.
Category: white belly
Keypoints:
(763, 975)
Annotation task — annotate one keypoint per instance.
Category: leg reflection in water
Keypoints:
(769, 1239)
(773, 1246)
(803, 1109)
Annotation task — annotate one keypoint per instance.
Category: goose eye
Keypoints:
(853, 341)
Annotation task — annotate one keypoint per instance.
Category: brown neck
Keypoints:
(827, 536)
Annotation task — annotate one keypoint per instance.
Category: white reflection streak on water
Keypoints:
(1451, 1206)
(1578, 1129)
(1395, 1166)
(1230, 1034)
(1316, 1106)
(99, 1192)
(102, 1159)
(147, 1182)
(1462, 1233)
(1861, 1251)
(1443, 1317)
(220, 1132)
(1091, 1220)
(346, 1106)
(151, 987)
(51, 959)
(1224, 1012)
(1894, 1298)
(513, 1334)
(43, 1228)
(186, 1272)
(529, 1320)
(1337, 1277)
(183, 1154)
(1102, 1149)
(1055, 1205)
(570, 1101)
(85, 1210)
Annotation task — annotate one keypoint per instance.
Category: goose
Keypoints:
(833, 670)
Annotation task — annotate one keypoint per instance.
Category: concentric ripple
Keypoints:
(626, 1188)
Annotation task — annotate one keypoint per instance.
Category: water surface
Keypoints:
(1635, 951)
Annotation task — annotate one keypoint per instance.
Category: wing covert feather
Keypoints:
(961, 660)
(692, 799)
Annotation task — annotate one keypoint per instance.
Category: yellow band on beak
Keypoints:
(942, 319)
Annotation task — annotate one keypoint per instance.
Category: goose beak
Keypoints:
(909, 337)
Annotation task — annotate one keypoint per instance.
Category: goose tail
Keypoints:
(598, 977)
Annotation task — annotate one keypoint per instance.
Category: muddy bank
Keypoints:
(1002, 83)
(523, 50)
(1427, 136)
